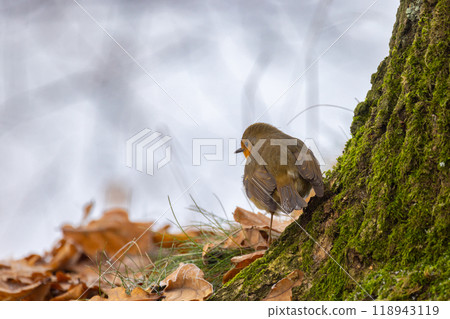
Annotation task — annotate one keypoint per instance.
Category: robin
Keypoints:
(280, 170)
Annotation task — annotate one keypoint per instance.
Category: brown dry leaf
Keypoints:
(98, 298)
(66, 271)
(207, 248)
(312, 193)
(87, 209)
(119, 294)
(20, 270)
(21, 281)
(245, 260)
(72, 293)
(282, 290)
(186, 283)
(230, 274)
(251, 220)
(254, 239)
(86, 272)
(111, 233)
(61, 284)
(64, 255)
(240, 263)
(249, 237)
(40, 293)
(295, 215)
(235, 241)
(34, 260)
(25, 279)
(62, 277)
(166, 240)
(17, 290)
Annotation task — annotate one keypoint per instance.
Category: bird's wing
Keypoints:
(260, 185)
(309, 169)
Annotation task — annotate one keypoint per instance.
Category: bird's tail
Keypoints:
(290, 199)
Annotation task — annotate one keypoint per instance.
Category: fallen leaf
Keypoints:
(168, 240)
(295, 215)
(98, 298)
(21, 271)
(230, 274)
(34, 260)
(87, 209)
(72, 294)
(245, 260)
(251, 220)
(254, 239)
(31, 279)
(206, 248)
(63, 281)
(38, 294)
(17, 290)
(312, 193)
(282, 290)
(240, 263)
(235, 241)
(119, 294)
(65, 272)
(88, 272)
(112, 233)
(62, 277)
(248, 238)
(64, 255)
(186, 283)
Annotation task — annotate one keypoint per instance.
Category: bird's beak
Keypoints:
(239, 150)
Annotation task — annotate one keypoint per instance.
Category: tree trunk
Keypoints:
(382, 229)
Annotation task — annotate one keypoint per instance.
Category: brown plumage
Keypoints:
(277, 178)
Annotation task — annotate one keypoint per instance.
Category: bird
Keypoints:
(280, 170)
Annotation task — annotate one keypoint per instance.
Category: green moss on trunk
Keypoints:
(385, 217)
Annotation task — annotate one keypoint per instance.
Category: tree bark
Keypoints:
(382, 229)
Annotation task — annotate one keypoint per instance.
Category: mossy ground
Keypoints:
(386, 215)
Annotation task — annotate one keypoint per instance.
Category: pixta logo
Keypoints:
(144, 145)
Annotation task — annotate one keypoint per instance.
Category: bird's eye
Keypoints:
(246, 143)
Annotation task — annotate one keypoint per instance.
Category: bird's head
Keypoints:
(253, 134)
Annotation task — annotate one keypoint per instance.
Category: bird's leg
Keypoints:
(270, 228)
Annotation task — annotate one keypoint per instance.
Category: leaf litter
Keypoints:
(109, 259)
